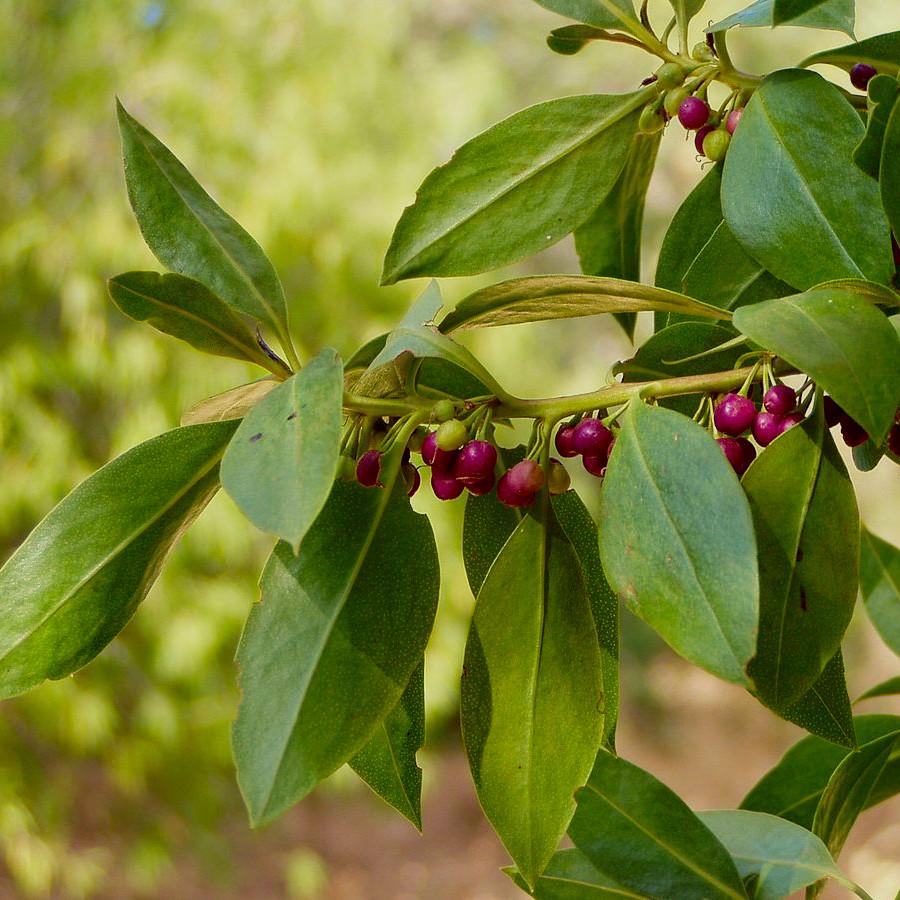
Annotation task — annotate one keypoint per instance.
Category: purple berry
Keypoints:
(833, 413)
(591, 438)
(432, 455)
(693, 113)
(558, 481)
(852, 432)
(564, 438)
(734, 119)
(766, 428)
(780, 399)
(369, 468)
(700, 136)
(526, 477)
(510, 497)
(893, 441)
(861, 74)
(734, 414)
(595, 465)
(482, 486)
(734, 453)
(790, 420)
(895, 249)
(444, 485)
(412, 478)
(475, 461)
(749, 452)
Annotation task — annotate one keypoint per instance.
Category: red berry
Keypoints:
(734, 119)
(564, 438)
(595, 465)
(591, 438)
(766, 428)
(861, 74)
(526, 477)
(693, 113)
(852, 432)
(790, 420)
(734, 453)
(749, 452)
(734, 414)
(475, 462)
(780, 399)
(833, 413)
(369, 468)
(444, 485)
(508, 496)
(482, 486)
(700, 136)
(433, 455)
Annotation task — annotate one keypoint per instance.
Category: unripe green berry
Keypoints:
(673, 100)
(558, 480)
(702, 52)
(451, 435)
(670, 75)
(715, 144)
(651, 120)
(443, 411)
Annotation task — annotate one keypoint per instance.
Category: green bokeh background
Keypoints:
(312, 122)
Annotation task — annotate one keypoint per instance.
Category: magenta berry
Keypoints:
(749, 452)
(790, 420)
(412, 478)
(734, 414)
(833, 413)
(558, 481)
(780, 399)
(368, 469)
(595, 465)
(734, 119)
(526, 477)
(508, 496)
(591, 438)
(693, 113)
(564, 441)
(482, 486)
(474, 462)
(852, 432)
(700, 137)
(445, 486)
(861, 74)
(766, 427)
(734, 453)
(432, 455)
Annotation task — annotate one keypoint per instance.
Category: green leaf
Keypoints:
(889, 175)
(885, 689)
(387, 763)
(231, 404)
(542, 297)
(487, 526)
(789, 193)
(609, 242)
(328, 652)
(188, 232)
(879, 294)
(599, 13)
(881, 51)
(867, 455)
(667, 490)
(282, 460)
(782, 856)
(837, 15)
(807, 538)
(641, 834)
(879, 584)
(532, 673)
(187, 310)
(883, 93)
(792, 789)
(570, 876)
(842, 342)
(69, 589)
(570, 39)
(517, 188)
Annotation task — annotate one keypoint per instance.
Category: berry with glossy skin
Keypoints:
(445, 486)
(739, 452)
(861, 74)
(766, 428)
(715, 144)
(749, 452)
(508, 496)
(368, 469)
(651, 120)
(852, 432)
(432, 455)
(481, 487)
(790, 420)
(595, 465)
(526, 477)
(475, 462)
(833, 413)
(700, 136)
(591, 438)
(673, 101)
(670, 75)
(443, 411)
(734, 119)
(412, 478)
(734, 414)
(451, 435)
(693, 113)
(564, 438)
(558, 481)
(780, 399)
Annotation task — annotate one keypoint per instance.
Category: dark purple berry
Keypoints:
(475, 461)
(693, 113)
(558, 481)
(766, 428)
(749, 452)
(790, 420)
(591, 438)
(482, 486)
(508, 496)
(780, 399)
(734, 119)
(432, 455)
(595, 465)
(444, 485)
(833, 413)
(861, 74)
(734, 414)
(734, 453)
(895, 249)
(564, 438)
(700, 136)
(412, 478)
(711, 41)
(893, 441)
(852, 432)
(526, 477)
(369, 468)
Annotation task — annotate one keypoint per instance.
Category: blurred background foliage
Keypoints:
(312, 122)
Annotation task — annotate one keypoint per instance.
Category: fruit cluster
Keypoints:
(591, 440)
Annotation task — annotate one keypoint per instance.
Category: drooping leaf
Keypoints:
(532, 673)
(879, 583)
(541, 297)
(570, 876)
(599, 13)
(281, 463)
(387, 763)
(807, 536)
(570, 39)
(884, 90)
(189, 311)
(188, 232)
(789, 190)
(609, 242)
(881, 51)
(77, 579)
(517, 188)
(792, 788)
(841, 341)
(782, 856)
(886, 689)
(665, 552)
(231, 404)
(836, 15)
(889, 174)
(328, 652)
(639, 833)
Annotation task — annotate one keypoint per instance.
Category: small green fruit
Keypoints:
(715, 144)
(451, 435)
(673, 101)
(702, 52)
(651, 120)
(670, 75)
(558, 480)
(443, 411)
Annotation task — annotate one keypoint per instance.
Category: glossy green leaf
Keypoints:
(387, 763)
(570, 876)
(282, 460)
(188, 232)
(599, 13)
(807, 537)
(231, 404)
(885, 689)
(609, 242)
(666, 553)
(638, 832)
(532, 673)
(487, 526)
(789, 191)
(328, 652)
(782, 856)
(792, 788)
(889, 174)
(836, 15)
(841, 341)
(77, 579)
(879, 583)
(881, 51)
(570, 39)
(542, 297)
(884, 90)
(189, 311)
(517, 188)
